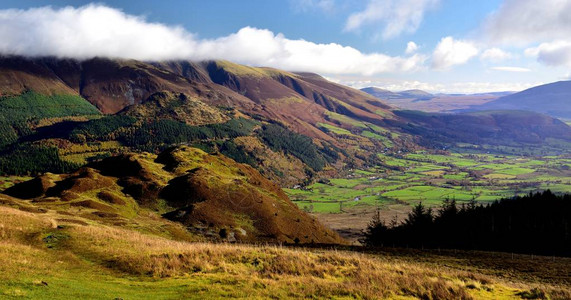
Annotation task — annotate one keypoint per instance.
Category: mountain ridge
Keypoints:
(552, 99)
(211, 195)
(274, 120)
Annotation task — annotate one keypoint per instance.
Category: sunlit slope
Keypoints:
(49, 255)
(212, 195)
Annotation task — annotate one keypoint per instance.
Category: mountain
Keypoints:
(553, 99)
(495, 94)
(212, 195)
(424, 101)
(194, 93)
(291, 127)
(380, 93)
(388, 95)
(112, 85)
(419, 95)
(507, 128)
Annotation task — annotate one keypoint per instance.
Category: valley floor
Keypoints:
(47, 256)
(348, 203)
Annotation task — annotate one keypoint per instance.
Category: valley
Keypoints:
(403, 180)
(299, 149)
(217, 179)
(424, 101)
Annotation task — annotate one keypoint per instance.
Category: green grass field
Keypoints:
(431, 178)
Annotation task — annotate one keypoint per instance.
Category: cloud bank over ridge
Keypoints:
(97, 30)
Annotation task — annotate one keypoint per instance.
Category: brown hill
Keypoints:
(111, 85)
(552, 99)
(179, 107)
(488, 127)
(212, 195)
(347, 124)
(298, 100)
(200, 92)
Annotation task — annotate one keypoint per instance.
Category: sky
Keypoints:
(441, 46)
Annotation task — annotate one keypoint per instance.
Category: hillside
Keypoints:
(213, 196)
(383, 94)
(488, 127)
(47, 254)
(292, 127)
(112, 85)
(552, 99)
(196, 94)
(380, 93)
(420, 95)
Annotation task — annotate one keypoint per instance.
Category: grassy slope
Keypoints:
(19, 113)
(211, 194)
(34, 106)
(47, 257)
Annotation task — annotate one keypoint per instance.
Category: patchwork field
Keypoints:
(405, 179)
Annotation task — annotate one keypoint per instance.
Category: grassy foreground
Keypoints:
(45, 256)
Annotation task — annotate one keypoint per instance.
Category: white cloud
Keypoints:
(97, 30)
(495, 55)
(91, 30)
(411, 47)
(529, 21)
(542, 26)
(511, 69)
(307, 5)
(557, 53)
(450, 52)
(471, 87)
(397, 16)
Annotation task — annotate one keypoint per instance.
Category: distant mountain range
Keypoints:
(425, 101)
(389, 95)
(416, 94)
(553, 99)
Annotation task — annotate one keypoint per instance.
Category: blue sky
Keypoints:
(437, 45)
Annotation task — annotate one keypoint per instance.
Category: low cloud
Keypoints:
(396, 16)
(511, 69)
(88, 31)
(450, 52)
(471, 87)
(98, 30)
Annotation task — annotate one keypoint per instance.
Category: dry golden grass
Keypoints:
(302, 272)
(221, 270)
(17, 225)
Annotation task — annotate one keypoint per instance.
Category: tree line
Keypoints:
(537, 223)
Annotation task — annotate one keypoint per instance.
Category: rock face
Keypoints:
(211, 195)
